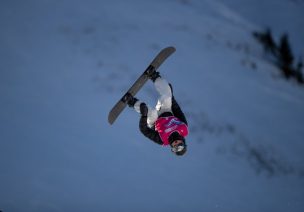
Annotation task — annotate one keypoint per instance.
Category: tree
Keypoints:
(282, 54)
(286, 56)
(298, 72)
(265, 38)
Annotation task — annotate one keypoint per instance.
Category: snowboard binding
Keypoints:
(129, 99)
(152, 73)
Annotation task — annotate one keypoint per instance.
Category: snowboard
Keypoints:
(154, 65)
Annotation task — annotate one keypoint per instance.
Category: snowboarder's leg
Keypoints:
(165, 100)
(135, 103)
(152, 113)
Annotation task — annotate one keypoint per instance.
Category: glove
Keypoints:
(143, 109)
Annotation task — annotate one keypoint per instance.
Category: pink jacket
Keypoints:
(165, 126)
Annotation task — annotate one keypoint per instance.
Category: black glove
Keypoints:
(143, 109)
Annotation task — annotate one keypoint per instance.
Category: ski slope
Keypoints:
(64, 64)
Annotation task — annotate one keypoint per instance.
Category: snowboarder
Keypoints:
(166, 123)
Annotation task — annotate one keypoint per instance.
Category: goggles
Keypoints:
(178, 148)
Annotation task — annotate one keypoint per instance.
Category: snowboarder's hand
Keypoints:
(143, 109)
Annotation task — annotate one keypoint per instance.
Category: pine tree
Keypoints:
(299, 73)
(285, 56)
(265, 38)
(270, 45)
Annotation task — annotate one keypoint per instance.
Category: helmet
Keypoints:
(179, 149)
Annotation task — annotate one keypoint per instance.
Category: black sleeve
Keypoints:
(178, 112)
(148, 132)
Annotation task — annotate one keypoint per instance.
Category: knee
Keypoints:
(152, 117)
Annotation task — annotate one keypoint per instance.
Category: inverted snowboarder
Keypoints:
(166, 123)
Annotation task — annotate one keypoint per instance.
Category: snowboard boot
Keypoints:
(152, 74)
(130, 100)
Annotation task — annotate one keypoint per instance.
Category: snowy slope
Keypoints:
(65, 63)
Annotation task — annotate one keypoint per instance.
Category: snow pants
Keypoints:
(164, 102)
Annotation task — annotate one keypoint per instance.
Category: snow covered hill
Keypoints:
(65, 63)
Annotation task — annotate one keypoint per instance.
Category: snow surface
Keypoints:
(64, 64)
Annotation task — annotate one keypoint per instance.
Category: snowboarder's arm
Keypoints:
(178, 112)
(148, 132)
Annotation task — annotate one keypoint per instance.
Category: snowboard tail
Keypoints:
(139, 83)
